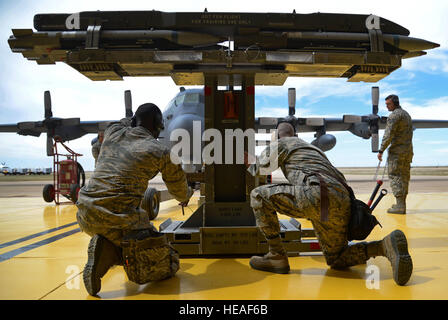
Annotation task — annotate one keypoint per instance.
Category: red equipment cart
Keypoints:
(68, 176)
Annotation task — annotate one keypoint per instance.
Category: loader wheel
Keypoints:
(48, 193)
(151, 203)
(74, 189)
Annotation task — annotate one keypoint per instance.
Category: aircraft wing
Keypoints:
(9, 127)
(67, 129)
(303, 124)
(94, 126)
(361, 128)
(24, 128)
(338, 124)
(427, 124)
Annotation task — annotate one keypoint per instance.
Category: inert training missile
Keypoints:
(179, 37)
(402, 42)
(110, 45)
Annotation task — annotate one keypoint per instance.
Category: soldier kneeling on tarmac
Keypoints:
(108, 206)
(308, 170)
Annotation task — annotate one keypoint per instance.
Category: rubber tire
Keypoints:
(74, 189)
(48, 193)
(151, 203)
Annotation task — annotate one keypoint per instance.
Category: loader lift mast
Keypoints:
(225, 224)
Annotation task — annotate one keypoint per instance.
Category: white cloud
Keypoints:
(432, 109)
(436, 142)
(435, 61)
(279, 112)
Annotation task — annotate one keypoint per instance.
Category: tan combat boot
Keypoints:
(102, 255)
(276, 260)
(400, 207)
(395, 248)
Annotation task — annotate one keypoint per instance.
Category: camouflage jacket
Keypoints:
(297, 160)
(129, 158)
(398, 133)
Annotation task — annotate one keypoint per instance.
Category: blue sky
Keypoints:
(421, 83)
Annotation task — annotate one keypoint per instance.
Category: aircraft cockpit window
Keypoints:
(170, 105)
(179, 100)
(192, 98)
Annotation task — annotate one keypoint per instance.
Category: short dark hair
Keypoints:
(394, 99)
(289, 121)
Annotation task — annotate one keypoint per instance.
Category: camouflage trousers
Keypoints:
(115, 235)
(304, 202)
(399, 170)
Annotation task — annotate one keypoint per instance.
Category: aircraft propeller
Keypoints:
(323, 140)
(373, 121)
(35, 128)
(292, 107)
(128, 103)
(292, 101)
(367, 126)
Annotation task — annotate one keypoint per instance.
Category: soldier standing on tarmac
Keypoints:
(108, 205)
(398, 135)
(314, 192)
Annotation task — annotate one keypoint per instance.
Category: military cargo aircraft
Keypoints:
(188, 106)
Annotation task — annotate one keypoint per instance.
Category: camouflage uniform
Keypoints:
(398, 135)
(300, 198)
(96, 147)
(108, 204)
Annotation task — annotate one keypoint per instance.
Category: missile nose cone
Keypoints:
(426, 45)
(435, 45)
(409, 43)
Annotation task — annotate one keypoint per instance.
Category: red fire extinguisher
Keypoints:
(68, 175)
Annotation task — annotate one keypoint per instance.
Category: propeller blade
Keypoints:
(128, 103)
(375, 142)
(47, 105)
(70, 122)
(292, 101)
(49, 145)
(375, 99)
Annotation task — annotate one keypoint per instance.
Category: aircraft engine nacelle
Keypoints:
(360, 129)
(325, 142)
